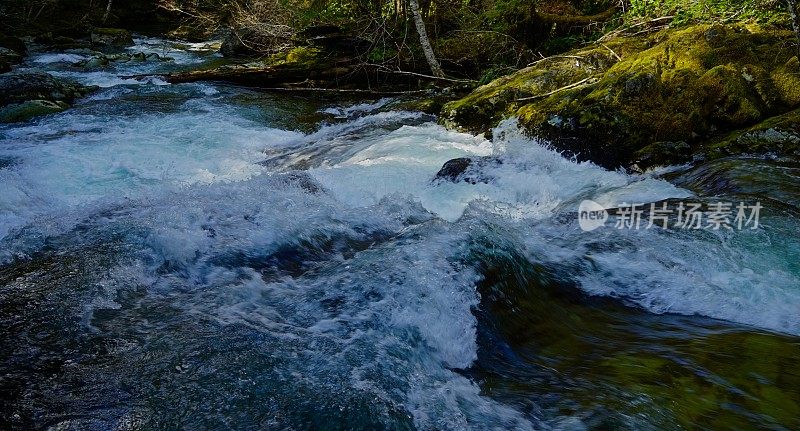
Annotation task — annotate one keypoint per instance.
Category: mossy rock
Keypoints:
(26, 110)
(100, 61)
(778, 136)
(191, 32)
(239, 43)
(685, 85)
(299, 56)
(295, 65)
(111, 38)
(21, 87)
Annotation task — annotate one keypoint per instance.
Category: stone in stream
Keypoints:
(467, 169)
(29, 109)
(102, 60)
(29, 94)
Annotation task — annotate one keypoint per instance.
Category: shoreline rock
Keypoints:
(31, 94)
(647, 100)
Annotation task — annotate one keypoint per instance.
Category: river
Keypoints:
(204, 256)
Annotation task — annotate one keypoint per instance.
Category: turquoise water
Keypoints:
(201, 256)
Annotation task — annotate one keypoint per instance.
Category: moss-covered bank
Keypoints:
(653, 99)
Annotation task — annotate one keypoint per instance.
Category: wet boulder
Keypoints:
(29, 109)
(304, 181)
(103, 60)
(10, 57)
(467, 169)
(25, 95)
(779, 135)
(97, 62)
(111, 38)
(50, 42)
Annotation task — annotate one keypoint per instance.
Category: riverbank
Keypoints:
(666, 96)
(663, 98)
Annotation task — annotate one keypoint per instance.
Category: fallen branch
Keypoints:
(623, 31)
(421, 75)
(340, 90)
(649, 30)
(612, 52)
(566, 87)
(576, 57)
(579, 19)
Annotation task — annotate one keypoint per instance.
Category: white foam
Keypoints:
(531, 181)
(358, 109)
(76, 159)
(181, 53)
(704, 274)
(59, 58)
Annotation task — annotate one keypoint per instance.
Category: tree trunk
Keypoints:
(436, 69)
(792, 4)
(108, 11)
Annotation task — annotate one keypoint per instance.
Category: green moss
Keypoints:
(110, 31)
(30, 109)
(787, 81)
(111, 37)
(681, 85)
(302, 56)
(487, 104)
(777, 135)
(731, 101)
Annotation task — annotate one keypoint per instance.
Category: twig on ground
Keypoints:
(585, 81)
(612, 51)
(421, 75)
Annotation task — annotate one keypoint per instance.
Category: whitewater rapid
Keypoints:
(335, 247)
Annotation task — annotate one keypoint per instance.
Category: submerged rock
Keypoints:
(609, 103)
(303, 181)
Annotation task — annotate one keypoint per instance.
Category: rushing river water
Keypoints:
(201, 256)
